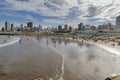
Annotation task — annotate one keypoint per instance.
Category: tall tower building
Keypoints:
(118, 22)
(30, 26)
(66, 27)
(39, 28)
(7, 26)
(59, 27)
(12, 27)
(81, 26)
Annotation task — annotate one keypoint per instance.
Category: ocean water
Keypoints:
(85, 61)
(3, 38)
(41, 60)
(7, 40)
(30, 61)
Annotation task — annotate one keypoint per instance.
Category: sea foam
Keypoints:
(109, 49)
(57, 77)
(14, 40)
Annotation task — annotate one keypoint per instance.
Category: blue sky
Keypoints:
(55, 12)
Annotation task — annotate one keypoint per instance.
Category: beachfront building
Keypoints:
(118, 22)
(12, 27)
(59, 27)
(107, 27)
(87, 27)
(81, 26)
(39, 28)
(30, 26)
(25, 28)
(21, 27)
(65, 27)
(7, 26)
(70, 28)
(93, 28)
(3, 29)
(54, 29)
(111, 26)
(34, 28)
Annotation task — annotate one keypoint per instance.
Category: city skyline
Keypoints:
(53, 12)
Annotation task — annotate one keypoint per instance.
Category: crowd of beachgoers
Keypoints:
(106, 40)
(110, 41)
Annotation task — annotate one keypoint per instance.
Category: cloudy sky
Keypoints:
(55, 12)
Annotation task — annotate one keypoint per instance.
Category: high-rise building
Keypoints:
(59, 28)
(81, 26)
(39, 28)
(12, 27)
(30, 26)
(21, 27)
(34, 28)
(3, 29)
(7, 26)
(118, 22)
(65, 27)
(70, 28)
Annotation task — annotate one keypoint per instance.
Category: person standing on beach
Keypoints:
(54, 43)
(82, 42)
(20, 41)
(47, 42)
(5, 41)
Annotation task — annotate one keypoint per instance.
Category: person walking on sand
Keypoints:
(20, 41)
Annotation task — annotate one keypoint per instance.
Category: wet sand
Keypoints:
(33, 61)
(29, 61)
(86, 61)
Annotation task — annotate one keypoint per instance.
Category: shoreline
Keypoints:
(15, 40)
(106, 46)
(47, 65)
(66, 74)
(60, 68)
(62, 62)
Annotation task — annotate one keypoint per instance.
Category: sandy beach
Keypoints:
(86, 61)
(43, 60)
(101, 44)
(29, 61)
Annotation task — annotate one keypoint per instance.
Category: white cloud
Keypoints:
(74, 23)
(87, 9)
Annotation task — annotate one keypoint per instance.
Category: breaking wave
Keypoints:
(10, 42)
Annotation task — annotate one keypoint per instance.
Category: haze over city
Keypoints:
(54, 12)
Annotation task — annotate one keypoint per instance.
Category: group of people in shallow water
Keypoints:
(4, 41)
(53, 40)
